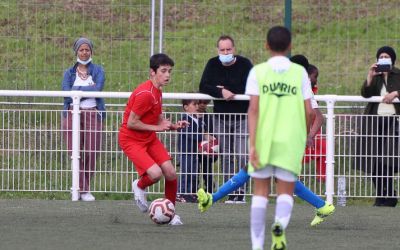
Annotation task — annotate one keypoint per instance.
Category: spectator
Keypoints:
(279, 117)
(206, 162)
(315, 148)
(378, 145)
(188, 140)
(317, 151)
(225, 76)
(85, 76)
(137, 135)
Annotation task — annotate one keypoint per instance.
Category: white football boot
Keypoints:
(176, 221)
(140, 197)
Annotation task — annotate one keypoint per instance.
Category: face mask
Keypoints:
(387, 61)
(84, 62)
(226, 59)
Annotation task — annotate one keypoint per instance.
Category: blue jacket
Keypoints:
(98, 76)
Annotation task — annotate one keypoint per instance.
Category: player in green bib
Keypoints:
(279, 117)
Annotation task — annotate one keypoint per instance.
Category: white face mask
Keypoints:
(386, 61)
(226, 59)
(84, 62)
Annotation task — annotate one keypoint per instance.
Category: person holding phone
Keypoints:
(379, 132)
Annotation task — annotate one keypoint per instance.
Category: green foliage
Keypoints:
(340, 37)
(36, 37)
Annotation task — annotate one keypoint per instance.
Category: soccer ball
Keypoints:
(209, 147)
(161, 211)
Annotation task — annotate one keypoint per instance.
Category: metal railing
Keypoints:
(34, 155)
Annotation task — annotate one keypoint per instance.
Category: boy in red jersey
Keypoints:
(138, 139)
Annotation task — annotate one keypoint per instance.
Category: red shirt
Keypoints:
(145, 101)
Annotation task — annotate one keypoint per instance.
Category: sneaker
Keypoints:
(379, 202)
(278, 237)
(322, 213)
(180, 198)
(190, 198)
(205, 200)
(390, 202)
(176, 221)
(240, 199)
(140, 197)
(87, 197)
(231, 199)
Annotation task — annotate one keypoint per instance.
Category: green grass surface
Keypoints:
(34, 224)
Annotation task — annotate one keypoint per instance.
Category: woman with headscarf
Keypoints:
(85, 76)
(378, 144)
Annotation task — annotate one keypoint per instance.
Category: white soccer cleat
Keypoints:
(176, 221)
(140, 197)
(87, 197)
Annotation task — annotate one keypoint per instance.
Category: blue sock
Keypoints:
(232, 184)
(305, 194)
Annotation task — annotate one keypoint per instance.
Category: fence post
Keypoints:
(152, 24)
(330, 150)
(76, 120)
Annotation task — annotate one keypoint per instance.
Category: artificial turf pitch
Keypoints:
(54, 224)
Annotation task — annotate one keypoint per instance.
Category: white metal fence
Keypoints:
(34, 155)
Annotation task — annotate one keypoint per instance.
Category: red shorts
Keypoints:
(144, 154)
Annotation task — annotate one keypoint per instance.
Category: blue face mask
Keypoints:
(226, 59)
(84, 62)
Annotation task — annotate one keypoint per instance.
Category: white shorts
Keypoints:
(278, 173)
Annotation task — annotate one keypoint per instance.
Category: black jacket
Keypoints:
(233, 78)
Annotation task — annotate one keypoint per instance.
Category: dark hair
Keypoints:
(158, 60)
(225, 37)
(279, 38)
(187, 101)
(311, 69)
(204, 101)
(300, 60)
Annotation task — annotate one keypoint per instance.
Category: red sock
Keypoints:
(171, 187)
(145, 181)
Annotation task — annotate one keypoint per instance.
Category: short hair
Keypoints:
(300, 60)
(311, 69)
(225, 37)
(187, 101)
(204, 101)
(279, 38)
(160, 59)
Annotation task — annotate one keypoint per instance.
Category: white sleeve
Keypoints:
(307, 91)
(252, 83)
(306, 87)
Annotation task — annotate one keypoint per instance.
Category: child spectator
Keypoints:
(206, 162)
(188, 141)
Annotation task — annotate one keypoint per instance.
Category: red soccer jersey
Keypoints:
(146, 102)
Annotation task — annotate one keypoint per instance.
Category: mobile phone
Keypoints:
(383, 67)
